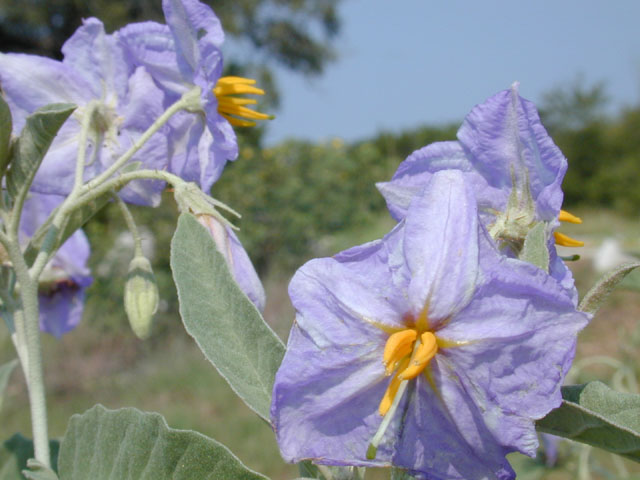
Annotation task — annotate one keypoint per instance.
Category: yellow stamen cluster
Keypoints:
(565, 240)
(233, 108)
(407, 355)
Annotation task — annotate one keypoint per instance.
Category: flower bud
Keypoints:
(140, 296)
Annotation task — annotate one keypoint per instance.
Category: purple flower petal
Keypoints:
(504, 134)
(505, 335)
(441, 247)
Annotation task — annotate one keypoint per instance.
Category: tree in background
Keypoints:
(293, 34)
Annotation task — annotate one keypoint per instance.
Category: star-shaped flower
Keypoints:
(515, 168)
(429, 349)
(94, 71)
(183, 54)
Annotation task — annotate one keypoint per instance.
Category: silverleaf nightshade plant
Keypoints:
(122, 127)
(515, 169)
(429, 349)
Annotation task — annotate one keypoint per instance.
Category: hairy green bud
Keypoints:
(141, 296)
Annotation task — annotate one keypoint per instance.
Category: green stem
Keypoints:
(186, 101)
(82, 144)
(131, 224)
(26, 318)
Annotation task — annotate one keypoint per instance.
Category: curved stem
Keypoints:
(185, 101)
(131, 225)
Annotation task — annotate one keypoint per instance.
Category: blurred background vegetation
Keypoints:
(300, 200)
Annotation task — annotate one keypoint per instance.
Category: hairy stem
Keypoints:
(27, 323)
(131, 225)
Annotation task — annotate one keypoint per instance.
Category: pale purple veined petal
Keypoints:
(504, 136)
(441, 247)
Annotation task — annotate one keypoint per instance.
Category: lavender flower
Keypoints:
(515, 168)
(237, 259)
(428, 349)
(94, 70)
(184, 54)
(66, 276)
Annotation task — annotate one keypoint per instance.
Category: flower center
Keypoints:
(406, 355)
(233, 108)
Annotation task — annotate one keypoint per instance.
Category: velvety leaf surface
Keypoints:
(14, 454)
(599, 416)
(218, 315)
(601, 290)
(32, 145)
(5, 134)
(128, 444)
(5, 372)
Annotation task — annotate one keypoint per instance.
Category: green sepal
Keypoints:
(599, 416)
(535, 249)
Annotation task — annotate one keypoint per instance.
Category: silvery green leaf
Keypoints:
(218, 315)
(128, 444)
(535, 248)
(601, 290)
(5, 373)
(31, 146)
(599, 416)
(15, 452)
(5, 135)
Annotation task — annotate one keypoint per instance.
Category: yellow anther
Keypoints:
(398, 345)
(425, 352)
(568, 217)
(232, 107)
(392, 390)
(566, 241)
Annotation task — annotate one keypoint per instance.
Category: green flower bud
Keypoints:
(141, 296)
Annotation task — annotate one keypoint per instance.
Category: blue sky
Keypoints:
(405, 63)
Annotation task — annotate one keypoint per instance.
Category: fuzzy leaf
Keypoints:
(599, 416)
(32, 145)
(218, 315)
(601, 290)
(128, 444)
